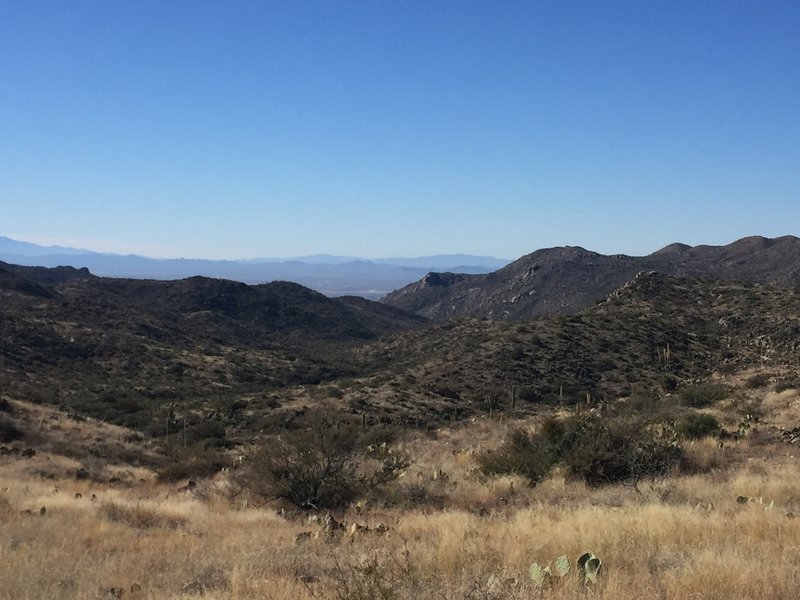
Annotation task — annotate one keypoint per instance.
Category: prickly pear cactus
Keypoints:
(562, 565)
(593, 566)
(541, 576)
(589, 567)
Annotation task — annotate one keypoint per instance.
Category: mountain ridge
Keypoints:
(565, 279)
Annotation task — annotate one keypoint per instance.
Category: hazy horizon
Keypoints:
(264, 130)
(75, 245)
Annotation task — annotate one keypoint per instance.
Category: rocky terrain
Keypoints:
(241, 359)
(561, 281)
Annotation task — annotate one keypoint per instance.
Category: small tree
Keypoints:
(323, 466)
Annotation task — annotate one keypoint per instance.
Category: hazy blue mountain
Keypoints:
(439, 261)
(9, 247)
(331, 275)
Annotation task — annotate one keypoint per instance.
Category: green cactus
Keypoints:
(541, 576)
(593, 567)
(562, 565)
(589, 567)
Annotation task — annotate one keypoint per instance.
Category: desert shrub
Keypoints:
(518, 353)
(703, 394)
(759, 380)
(645, 402)
(8, 431)
(529, 393)
(190, 463)
(211, 434)
(695, 426)
(669, 383)
(321, 466)
(382, 576)
(787, 384)
(309, 469)
(5, 406)
(597, 450)
(602, 451)
(523, 454)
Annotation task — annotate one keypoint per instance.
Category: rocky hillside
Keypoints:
(119, 348)
(558, 281)
(654, 332)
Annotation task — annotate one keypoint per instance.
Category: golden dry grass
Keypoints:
(680, 538)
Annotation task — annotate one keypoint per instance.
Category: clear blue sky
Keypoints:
(383, 128)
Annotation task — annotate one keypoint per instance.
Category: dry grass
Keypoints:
(678, 538)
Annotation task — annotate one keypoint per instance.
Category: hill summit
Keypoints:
(564, 280)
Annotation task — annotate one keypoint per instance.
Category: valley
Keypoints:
(620, 409)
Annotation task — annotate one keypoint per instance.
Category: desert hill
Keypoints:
(654, 332)
(127, 350)
(120, 348)
(560, 281)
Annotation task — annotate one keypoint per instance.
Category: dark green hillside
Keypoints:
(244, 359)
(124, 349)
(654, 334)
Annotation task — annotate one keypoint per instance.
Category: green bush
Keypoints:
(522, 454)
(595, 449)
(703, 394)
(603, 452)
(696, 426)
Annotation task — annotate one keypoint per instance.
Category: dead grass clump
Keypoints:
(139, 516)
(704, 456)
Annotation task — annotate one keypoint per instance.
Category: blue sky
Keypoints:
(386, 128)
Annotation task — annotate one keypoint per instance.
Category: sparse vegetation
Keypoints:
(474, 459)
(139, 516)
(203, 542)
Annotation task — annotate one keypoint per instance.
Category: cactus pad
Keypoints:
(540, 575)
(562, 565)
(589, 567)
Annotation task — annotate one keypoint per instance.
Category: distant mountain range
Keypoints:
(328, 274)
(564, 280)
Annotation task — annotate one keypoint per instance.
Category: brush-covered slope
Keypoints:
(559, 281)
(656, 331)
(117, 347)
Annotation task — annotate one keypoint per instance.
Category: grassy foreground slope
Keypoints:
(453, 533)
